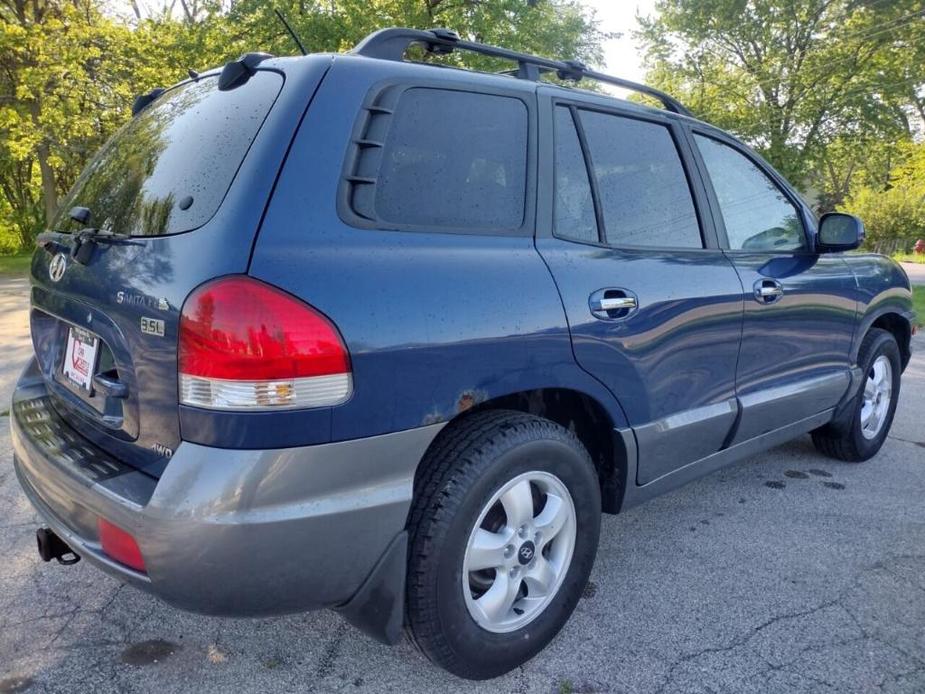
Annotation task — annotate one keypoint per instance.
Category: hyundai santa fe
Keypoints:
(387, 337)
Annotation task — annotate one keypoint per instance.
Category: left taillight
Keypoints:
(245, 345)
(119, 545)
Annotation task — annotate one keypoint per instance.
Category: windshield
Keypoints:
(168, 169)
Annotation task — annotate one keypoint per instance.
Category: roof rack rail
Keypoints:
(391, 44)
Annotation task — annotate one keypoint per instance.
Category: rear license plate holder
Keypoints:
(80, 355)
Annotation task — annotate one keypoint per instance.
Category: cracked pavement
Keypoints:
(786, 573)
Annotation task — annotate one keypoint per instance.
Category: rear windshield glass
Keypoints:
(168, 169)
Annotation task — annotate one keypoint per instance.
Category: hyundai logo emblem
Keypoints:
(57, 266)
(526, 552)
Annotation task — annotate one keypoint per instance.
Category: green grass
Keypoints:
(918, 300)
(909, 258)
(18, 264)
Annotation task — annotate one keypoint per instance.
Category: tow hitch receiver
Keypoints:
(53, 547)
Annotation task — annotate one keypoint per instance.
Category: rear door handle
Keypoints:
(767, 291)
(616, 303)
(110, 387)
(609, 304)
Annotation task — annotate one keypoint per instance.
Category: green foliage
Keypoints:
(817, 86)
(69, 69)
(918, 303)
(66, 82)
(917, 258)
(15, 265)
(894, 214)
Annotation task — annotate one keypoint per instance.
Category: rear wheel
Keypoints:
(504, 530)
(873, 407)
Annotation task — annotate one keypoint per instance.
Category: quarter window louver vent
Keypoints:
(365, 155)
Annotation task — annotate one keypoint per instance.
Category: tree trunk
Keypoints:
(49, 188)
(43, 154)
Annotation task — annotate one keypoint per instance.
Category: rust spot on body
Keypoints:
(469, 399)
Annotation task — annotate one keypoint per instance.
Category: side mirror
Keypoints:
(839, 232)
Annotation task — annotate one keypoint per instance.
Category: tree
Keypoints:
(563, 28)
(894, 213)
(69, 69)
(795, 77)
(66, 84)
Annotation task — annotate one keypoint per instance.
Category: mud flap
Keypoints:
(378, 607)
(844, 411)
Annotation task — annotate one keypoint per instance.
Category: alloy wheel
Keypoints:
(878, 390)
(519, 552)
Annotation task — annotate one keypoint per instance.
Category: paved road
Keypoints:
(786, 573)
(915, 271)
(14, 334)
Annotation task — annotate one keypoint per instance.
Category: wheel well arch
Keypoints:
(585, 417)
(901, 330)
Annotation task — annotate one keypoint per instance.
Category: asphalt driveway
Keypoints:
(915, 272)
(788, 572)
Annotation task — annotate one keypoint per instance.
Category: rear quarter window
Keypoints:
(168, 169)
(448, 161)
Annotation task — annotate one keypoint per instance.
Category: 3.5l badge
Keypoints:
(152, 326)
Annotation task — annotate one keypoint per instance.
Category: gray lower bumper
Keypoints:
(228, 532)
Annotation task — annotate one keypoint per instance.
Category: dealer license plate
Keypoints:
(80, 357)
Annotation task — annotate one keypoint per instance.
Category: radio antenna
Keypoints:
(294, 36)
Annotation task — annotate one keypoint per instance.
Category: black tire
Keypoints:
(473, 459)
(848, 442)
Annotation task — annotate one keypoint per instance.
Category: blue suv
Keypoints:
(355, 332)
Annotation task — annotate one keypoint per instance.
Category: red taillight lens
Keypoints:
(119, 545)
(247, 345)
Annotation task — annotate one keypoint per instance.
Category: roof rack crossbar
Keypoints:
(391, 44)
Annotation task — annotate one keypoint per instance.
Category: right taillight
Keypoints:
(245, 345)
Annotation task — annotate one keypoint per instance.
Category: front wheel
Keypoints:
(873, 407)
(504, 530)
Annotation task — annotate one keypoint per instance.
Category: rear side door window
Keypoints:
(643, 191)
(573, 206)
(757, 214)
(449, 161)
(653, 314)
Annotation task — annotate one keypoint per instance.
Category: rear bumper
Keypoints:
(229, 532)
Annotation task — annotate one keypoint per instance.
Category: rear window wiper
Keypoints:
(54, 241)
(78, 245)
(81, 243)
(86, 239)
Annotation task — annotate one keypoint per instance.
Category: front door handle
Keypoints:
(610, 304)
(767, 291)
